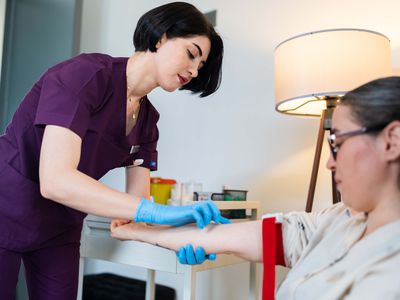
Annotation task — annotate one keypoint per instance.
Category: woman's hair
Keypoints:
(180, 19)
(376, 102)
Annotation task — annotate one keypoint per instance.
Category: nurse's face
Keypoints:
(178, 60)
(359, 168)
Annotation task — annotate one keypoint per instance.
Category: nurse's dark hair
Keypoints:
(180, 19)
(376, 102)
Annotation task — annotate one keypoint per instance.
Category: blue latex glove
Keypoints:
(187, 256)
(202, 213)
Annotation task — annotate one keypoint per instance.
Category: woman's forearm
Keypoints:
(243, 239)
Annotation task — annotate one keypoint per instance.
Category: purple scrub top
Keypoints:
(86, 94)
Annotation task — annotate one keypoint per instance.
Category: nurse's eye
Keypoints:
(190, 55)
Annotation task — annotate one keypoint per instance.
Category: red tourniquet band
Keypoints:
(272, 255)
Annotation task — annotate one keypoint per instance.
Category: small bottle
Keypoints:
(176, 196)
(187, 192)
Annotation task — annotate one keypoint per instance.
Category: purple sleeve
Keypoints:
(70, 95)
(147, 156)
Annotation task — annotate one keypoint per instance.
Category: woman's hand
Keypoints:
(120, 222)
(125, 230)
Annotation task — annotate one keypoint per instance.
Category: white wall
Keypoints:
(235, 137)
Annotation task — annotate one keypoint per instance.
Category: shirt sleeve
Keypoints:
(298, 228)
(70, 95)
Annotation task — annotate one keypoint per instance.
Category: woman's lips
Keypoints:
(182, 79)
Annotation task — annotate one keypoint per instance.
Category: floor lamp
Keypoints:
(313, 70)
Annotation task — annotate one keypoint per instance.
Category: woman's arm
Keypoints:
(61, 181)
(243, 239)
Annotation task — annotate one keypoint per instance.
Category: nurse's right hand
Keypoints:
(201, 213)
(187, 256)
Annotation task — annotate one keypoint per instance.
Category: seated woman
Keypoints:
(336, 253)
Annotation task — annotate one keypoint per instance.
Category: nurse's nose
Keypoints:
(194, 69)
(193, 72)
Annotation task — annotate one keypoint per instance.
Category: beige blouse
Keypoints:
(328, 261)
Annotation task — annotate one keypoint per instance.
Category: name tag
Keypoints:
(135, 149)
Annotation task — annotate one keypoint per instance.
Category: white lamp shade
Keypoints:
(327, 63)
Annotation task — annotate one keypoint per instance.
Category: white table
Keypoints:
(97, 243)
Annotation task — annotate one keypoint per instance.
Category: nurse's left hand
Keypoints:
(201, 213)
(187, 256)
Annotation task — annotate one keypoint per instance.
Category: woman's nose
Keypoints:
(331, 163)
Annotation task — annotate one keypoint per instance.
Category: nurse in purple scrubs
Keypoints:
(82, 118)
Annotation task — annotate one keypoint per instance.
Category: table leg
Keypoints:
(254, 282)
(80, 278)
(189, 284)
(150, 285)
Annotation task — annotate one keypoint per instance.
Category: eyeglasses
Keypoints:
(333, 138)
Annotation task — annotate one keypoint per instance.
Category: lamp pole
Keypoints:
(325, 124)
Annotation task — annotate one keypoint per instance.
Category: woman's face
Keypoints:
(178, 60)
(359, 170)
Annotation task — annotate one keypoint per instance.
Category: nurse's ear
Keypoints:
(392, 138)
(161, 41)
